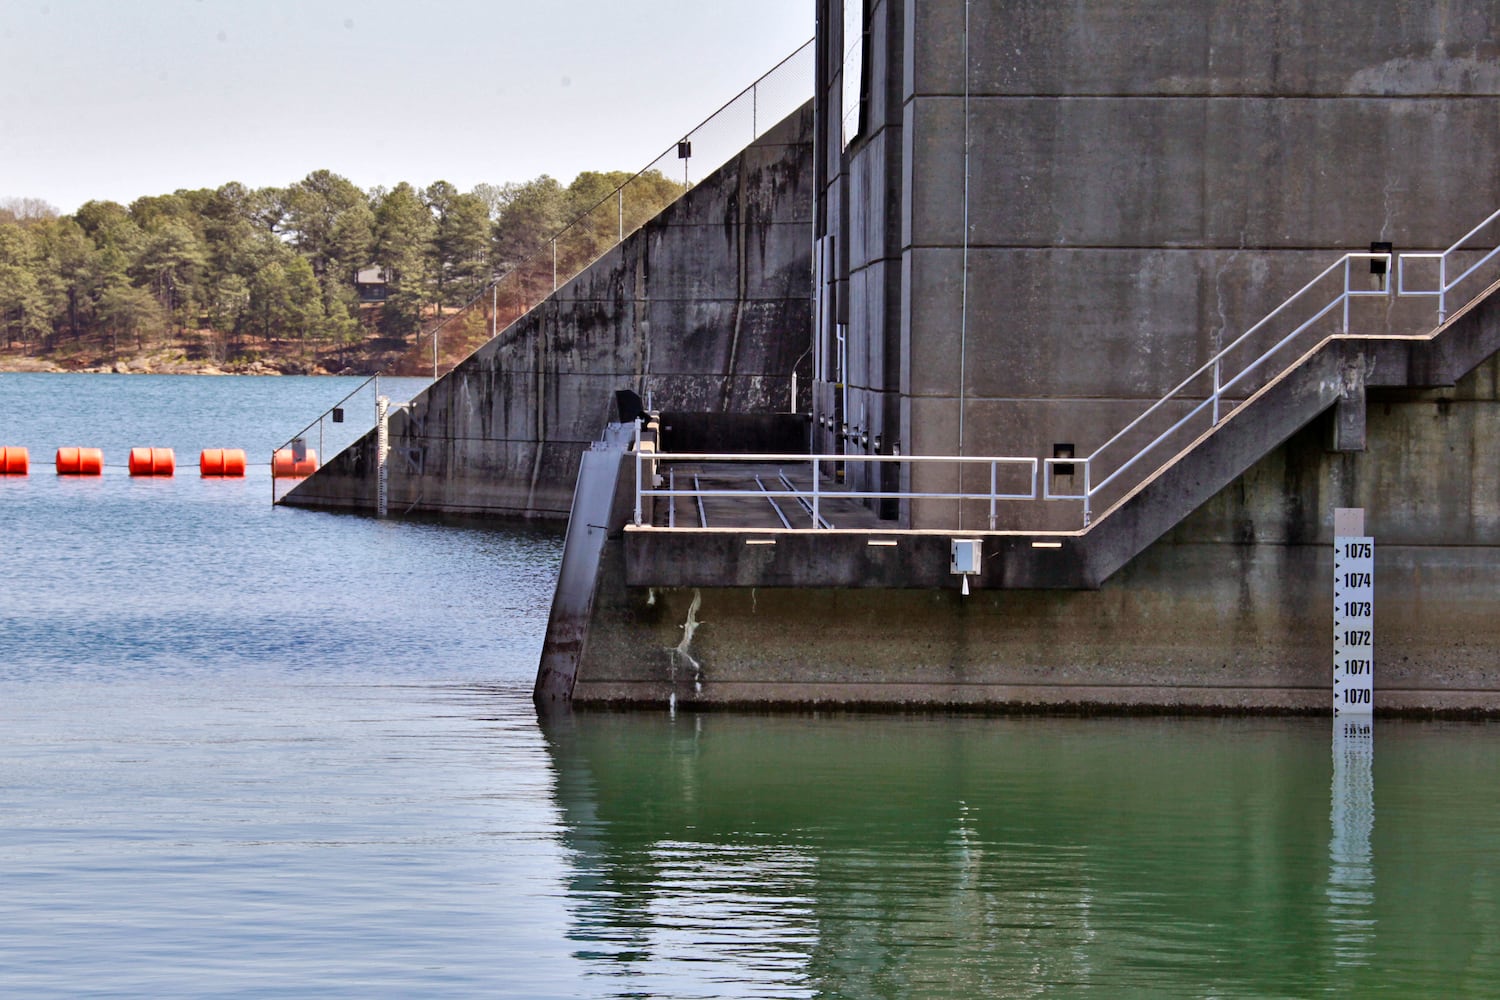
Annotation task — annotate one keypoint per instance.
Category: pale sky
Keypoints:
(115, 99)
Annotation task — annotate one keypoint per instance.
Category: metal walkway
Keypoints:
(753, 495)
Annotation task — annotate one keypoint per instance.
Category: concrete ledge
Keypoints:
(676, 557)
(1092, 699)
(990, 697)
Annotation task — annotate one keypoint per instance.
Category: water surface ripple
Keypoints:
(256, 752)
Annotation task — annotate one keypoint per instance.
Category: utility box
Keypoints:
(966, 556)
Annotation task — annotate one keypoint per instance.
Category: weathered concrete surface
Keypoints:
(1199, 462)
(1230, 609)
(1189, 625)
(706, 308)
(1056, 218)
(1195, 626)
(598, 509)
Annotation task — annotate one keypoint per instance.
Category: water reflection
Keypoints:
(776, 856)
(1351, 873)
(892, 857)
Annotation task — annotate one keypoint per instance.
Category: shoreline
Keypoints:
(147, 365)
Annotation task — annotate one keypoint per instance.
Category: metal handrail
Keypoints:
(1444, 285)
(549, 245)
(1215, 364)
(1221, 386)
(816, 494)
(1338, 302)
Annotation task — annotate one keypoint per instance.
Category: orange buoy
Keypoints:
(152, 462)
(80, 462)
(284, 464)
(14, 461)
(221, 462)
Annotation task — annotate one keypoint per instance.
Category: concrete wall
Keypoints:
(707, 308)
(1142, 181)
(1231, 611)
(1034, 236)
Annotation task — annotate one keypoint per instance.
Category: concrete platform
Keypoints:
(768, 498)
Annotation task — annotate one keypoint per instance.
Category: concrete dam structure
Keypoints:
(705, 308)
(1111, 308)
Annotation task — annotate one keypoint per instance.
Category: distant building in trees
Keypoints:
(372, 284)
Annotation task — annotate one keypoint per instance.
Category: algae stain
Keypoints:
(681, 650)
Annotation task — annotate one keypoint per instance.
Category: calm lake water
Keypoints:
(257, 752)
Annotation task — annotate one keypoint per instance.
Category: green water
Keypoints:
(897, 857)
(255, 752)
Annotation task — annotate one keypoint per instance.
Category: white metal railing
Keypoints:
(342, 424)
(710, 144)
(817, 492)
(1444, 285)
(1315, 313)
(1217, 389)
(1301, 339)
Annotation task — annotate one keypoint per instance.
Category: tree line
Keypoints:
(281, 263)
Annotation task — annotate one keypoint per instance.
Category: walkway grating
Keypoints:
(767, 497)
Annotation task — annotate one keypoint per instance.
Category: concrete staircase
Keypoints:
(1334, 373)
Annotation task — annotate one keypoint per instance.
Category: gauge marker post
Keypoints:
(1353, 614)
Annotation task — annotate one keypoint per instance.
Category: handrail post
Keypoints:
(1442, 289)
(620, 198)
(1218, 362)
(1087, 490)
(994, 488)
(817, 521)
(637, 473)
(1347, 259)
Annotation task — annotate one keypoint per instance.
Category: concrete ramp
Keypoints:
(706, 308)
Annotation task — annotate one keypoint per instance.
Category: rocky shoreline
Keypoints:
(148, 365)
